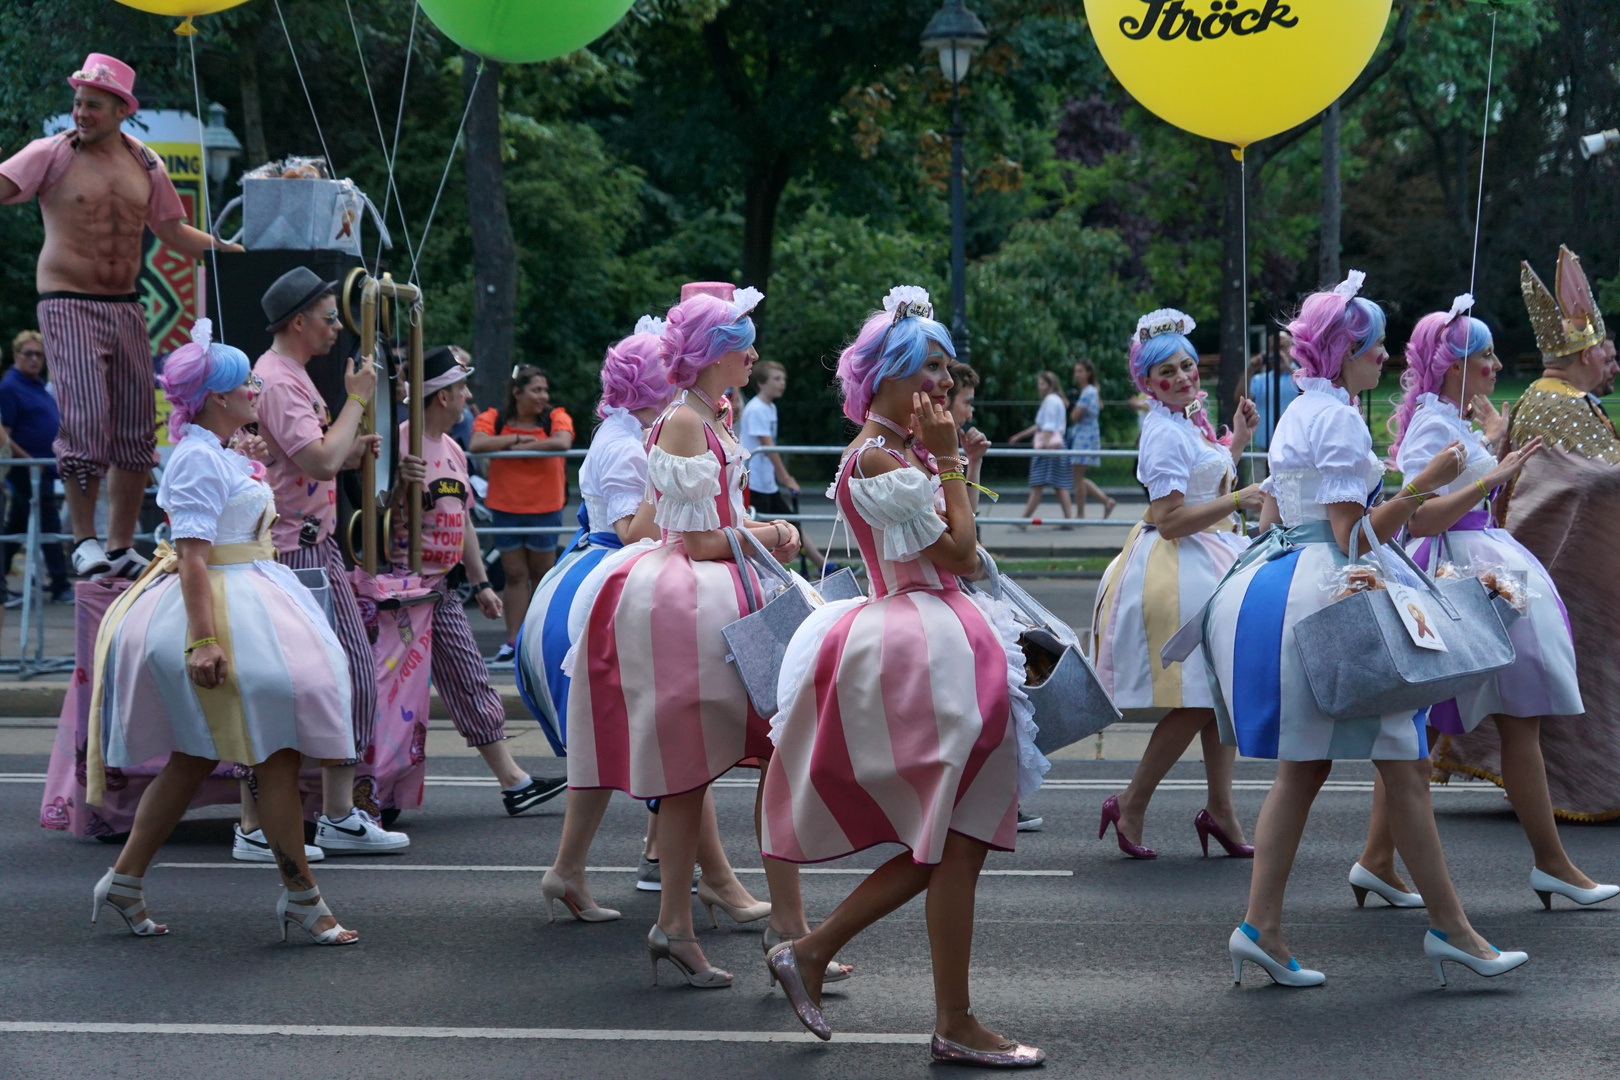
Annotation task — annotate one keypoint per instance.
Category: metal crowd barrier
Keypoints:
(31, 659)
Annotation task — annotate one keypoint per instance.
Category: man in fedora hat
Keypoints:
(97, 187)
(306, 448)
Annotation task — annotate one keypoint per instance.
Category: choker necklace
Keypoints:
(884, 421)
(719, 412)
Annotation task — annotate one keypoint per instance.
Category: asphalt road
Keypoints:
(1117, 968)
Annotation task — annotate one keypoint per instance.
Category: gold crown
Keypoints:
(1568, 322)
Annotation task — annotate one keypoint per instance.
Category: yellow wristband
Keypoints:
(1416, 494)
(357, 397)
(1483, 490)
(199, 643)
(1237, 503)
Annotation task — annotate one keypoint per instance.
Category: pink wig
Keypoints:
(192, 372)
(633, 375)
(1431, 352)
(1330, 329)
(701, 330)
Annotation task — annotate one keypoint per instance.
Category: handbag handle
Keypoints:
(749, 596)
(232, 205)
(776, 568)
(1376, 550)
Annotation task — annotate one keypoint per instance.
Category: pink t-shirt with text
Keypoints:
(292, 414)
(446, 499)
(40, 166)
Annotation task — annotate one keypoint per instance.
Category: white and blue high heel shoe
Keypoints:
(1437, 949)
(1546, 885)
(1244, 944)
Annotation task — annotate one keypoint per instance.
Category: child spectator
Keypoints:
(767, 474)
(524, 493)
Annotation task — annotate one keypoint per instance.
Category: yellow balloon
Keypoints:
(1237, 70)
(185, 9)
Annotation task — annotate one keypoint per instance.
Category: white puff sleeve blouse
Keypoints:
(687, 488)
(901, 503)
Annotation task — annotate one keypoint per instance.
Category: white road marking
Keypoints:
(371, 1032)
(474, 869)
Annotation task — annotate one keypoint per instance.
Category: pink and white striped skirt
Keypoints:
(901, 732)
(654, 708)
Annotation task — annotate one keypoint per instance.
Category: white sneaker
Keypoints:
(128, 565)
(358, 833)
(90, 558)
(253, 847)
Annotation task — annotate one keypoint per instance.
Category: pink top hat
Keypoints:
(107, 73)
(723, 290)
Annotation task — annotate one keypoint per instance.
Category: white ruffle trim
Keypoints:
(687, 488)
(1032, 764)
(621, 506)
(585, 599)
(901, 503)
(1341, 487)
(800, 657)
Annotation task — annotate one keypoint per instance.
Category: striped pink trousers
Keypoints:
(351, 633)
(462, 677)
(101, 364)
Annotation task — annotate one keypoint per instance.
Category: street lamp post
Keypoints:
(220, 146)
(956, 34)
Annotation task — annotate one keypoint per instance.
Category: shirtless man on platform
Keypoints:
(97, 187)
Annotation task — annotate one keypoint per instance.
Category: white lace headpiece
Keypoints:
(651, 324)
(1164, 321)
(906, 301)
(745, 300)
(1351, 285)
(202, 333)
(1459, 305)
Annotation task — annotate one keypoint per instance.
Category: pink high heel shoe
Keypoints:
(1207, 828)
(1110, 816)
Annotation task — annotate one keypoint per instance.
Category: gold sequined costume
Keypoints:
(1564, 508)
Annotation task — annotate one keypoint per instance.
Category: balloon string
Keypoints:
(330, 164)
(208, 216)
(393, 151)
(1243, 203)
(1479, 203)
(382, 141)
(448, 161)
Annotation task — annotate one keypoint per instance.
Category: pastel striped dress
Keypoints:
(902, 729)
(612, 482)
(287, 685)
(1155, 585)
(1541, 681)
(654, 708)
(1321, 453)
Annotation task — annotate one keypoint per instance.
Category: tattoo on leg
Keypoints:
(295, 880)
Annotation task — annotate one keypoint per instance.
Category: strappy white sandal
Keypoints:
(309, 901)
(134, 915)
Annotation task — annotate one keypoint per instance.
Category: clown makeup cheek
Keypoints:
(928, 386)
(1164, 384)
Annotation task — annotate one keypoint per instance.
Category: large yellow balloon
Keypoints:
(182, 9)
(1237, 70)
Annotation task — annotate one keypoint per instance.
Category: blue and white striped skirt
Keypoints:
(1265, 705)
(544, 639)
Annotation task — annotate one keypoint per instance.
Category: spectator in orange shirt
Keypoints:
(524, 493)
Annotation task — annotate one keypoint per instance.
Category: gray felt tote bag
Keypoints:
(1360, 660)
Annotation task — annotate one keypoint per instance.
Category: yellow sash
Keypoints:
(221, 705)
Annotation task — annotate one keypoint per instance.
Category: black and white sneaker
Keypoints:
(253, 847)
(90, 558)
(504, 654)
(532, 794)
(129, 565)
(1029, 822)
(358, 834)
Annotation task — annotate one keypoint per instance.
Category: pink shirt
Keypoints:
(446, 499)
(292, 414)
(40, 166)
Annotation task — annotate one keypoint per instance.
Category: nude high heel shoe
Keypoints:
(553, 886)
(134, 916)
(710, 978)
(710, 899)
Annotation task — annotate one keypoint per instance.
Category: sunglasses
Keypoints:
(329, 317)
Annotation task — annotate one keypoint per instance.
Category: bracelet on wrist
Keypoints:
(199, 643)
(1237, 503)
(1483, 490)
(1420, 496)
(481, 586)
(357, 397)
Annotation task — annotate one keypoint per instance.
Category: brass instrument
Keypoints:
(374, 295)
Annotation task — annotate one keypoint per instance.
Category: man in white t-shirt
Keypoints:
(767, 474)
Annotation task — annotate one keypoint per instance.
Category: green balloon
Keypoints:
(524, 31)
